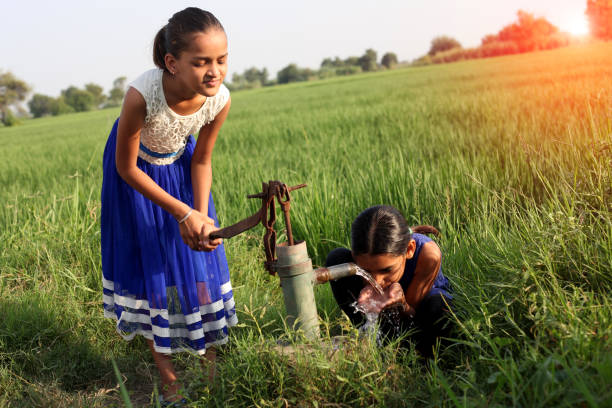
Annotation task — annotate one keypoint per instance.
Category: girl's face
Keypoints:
(386, 269)
(203, 65)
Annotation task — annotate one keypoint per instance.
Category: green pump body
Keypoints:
(294, 269)
(297, 279)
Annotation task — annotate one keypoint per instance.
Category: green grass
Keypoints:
(511, 158)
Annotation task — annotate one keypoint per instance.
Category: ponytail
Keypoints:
(425, 229)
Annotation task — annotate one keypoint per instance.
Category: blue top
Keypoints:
(441, 284)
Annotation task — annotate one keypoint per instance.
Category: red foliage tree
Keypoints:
(599, 13)
(528, 33)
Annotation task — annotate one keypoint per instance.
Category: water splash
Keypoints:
(383, 329)
(369, 328)
(365, 275)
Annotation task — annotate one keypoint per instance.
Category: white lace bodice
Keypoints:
(165, 132)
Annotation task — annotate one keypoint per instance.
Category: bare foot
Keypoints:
(171, 391)
(209, 364)
(170, 384)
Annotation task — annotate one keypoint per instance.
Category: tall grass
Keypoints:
(510, 158)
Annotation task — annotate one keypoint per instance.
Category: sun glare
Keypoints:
(578, 26)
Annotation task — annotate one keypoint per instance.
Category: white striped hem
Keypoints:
(144, 304)
(167, 332)
(172, 319)
(170, 332)
(148, 334)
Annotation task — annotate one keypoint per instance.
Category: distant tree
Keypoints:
(237, 82)
(263, 76)
(97, 92)
(367, 62)
(256, 77)
(389, 60)
(237, 78)
(529, 32)
(251, 74)
(307, 74)
(249, 79)
(79, 99)
(116, 94)
(327, 63)
(351, 62)
(12, 91)
(599, 13)
(291, 73)
(489, 38)
(442, 43)
(60, 107)
(41, 105)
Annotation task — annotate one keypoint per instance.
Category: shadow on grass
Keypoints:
(46, 355)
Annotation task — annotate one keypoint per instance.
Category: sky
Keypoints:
(54, 44)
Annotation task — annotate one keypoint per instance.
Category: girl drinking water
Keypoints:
(163, 277)
(407, 265)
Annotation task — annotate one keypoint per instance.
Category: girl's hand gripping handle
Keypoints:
(195, 228)
(208, 242)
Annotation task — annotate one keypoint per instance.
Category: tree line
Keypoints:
(13, 91)
(330, 67)
(73, 99)
(527, 34)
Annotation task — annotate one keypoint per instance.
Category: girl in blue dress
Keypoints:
(407, 265)
(163, 277)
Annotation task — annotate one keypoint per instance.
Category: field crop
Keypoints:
(511, 158)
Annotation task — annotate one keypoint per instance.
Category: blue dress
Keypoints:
(153, 283)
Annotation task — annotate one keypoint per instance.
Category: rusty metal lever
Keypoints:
(267, 216)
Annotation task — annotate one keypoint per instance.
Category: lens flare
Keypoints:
(578, 26)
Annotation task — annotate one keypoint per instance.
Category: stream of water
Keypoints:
(365, 275)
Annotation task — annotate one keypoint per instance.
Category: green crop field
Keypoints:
(511, 158)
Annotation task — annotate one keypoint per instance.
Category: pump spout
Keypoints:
(323, 275)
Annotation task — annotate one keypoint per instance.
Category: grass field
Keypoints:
(511, 158)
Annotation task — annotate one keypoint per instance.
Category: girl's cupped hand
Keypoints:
(372, 301)
(195, 232)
